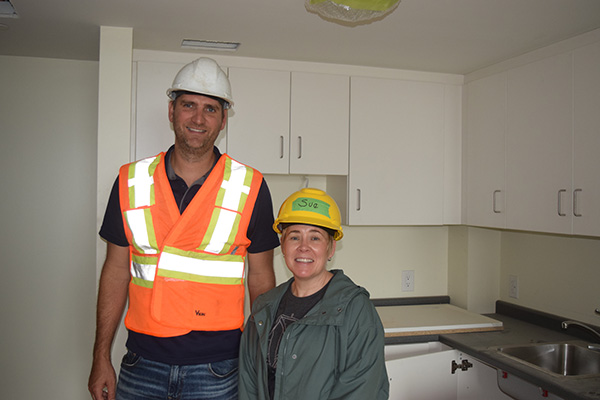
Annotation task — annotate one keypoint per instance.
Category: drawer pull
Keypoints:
(576, 203)
(560, 192)
(494, 202)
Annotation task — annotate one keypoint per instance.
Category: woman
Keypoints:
(317, 336)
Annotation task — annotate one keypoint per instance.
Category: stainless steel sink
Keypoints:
(565, 359)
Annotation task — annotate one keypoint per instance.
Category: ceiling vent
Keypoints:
(209, 45)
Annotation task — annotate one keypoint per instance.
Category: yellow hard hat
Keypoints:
(311, 207)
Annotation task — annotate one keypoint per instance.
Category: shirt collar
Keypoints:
(171, 172)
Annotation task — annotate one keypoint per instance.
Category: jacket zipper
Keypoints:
(279, 364)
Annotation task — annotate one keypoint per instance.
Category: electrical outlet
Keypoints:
(408, 280)
(513, 286)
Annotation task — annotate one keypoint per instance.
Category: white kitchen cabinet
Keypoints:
(424, 376)
(423, 371)
(520, 389)
(320, 108)
(539, 145)
(396, 174)
(486, 133)
(289, 122)
(478, 382)
(586, 141)
(153, 132)
(533, 145)
(258, 126)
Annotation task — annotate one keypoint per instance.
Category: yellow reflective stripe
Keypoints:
(199, 278)
(142, 228)
(230, 202)
(141, 182)
(236, 188)
(198, 267)
(222, 230)
(142, 282)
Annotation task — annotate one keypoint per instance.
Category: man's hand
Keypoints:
(112, 297)
(103, 380)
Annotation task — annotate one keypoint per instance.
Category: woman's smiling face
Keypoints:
(306, 249)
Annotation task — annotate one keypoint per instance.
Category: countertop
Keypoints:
(432, 319)
(519, 326)
(518, 332)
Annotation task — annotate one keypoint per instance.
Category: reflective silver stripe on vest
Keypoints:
(234, 188)
(143, 271)
(196, 266)
(142, 182)
(136, 220)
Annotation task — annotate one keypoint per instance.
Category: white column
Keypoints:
(114, 131)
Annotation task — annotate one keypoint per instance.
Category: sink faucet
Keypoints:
(566, 324)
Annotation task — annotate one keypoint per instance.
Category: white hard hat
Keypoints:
(203, 76)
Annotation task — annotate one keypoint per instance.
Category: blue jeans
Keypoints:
(142, 379)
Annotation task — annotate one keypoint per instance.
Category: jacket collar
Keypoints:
(328, 311)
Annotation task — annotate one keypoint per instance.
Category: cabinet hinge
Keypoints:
(463, 366)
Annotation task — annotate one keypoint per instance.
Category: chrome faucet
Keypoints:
(566, 324)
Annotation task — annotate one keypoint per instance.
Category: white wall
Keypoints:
(48, 123)
(557, 274)
(474, 268)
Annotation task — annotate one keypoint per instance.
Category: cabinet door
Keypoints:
(396, 152)
(486, 133)
(478, 382)
(586, 143)
(153, 132)
(320, 107)
(423, 377)
(258, 125)
(539, 143)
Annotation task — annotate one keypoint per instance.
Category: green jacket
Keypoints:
(334, 352)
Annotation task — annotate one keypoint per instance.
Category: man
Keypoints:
(178, 228)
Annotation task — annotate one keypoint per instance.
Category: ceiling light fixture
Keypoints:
(209, 45)
(7, 10)
(351, 10)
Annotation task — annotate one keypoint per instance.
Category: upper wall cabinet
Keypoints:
(397, 153)
(539, 145)
(259, 123)
(485, 144)
(153, 132)
(289, 122)
(586, 141)
(533, 146)
(319, 124)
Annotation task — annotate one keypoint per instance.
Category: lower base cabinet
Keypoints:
(432, 370)
(520, 389)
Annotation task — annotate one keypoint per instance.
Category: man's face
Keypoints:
(197, 121)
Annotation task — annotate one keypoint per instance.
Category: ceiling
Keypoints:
(451, 36)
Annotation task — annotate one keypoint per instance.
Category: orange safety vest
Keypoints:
(187, 270)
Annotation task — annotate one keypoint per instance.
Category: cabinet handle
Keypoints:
(494, 201)
(575, 202)
(299, 147)
(560, 192)
(281, 141)
(358, 199)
